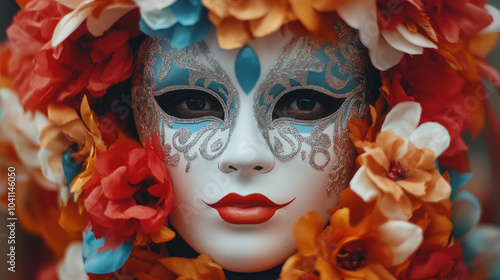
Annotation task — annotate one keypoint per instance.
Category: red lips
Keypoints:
(251, 209)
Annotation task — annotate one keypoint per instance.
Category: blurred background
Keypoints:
(483, 184)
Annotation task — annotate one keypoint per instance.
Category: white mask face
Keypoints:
(254, 137)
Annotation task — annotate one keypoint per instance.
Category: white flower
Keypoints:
(402, 237)
(386, 47)
(403, 120)
(21, 129)
(71, 266)
(84, 10)
(399, 166)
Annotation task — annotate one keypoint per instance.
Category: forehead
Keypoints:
(282, 59)
(250, 65)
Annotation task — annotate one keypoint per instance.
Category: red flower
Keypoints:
(130, 192)
(445, 263)
(453, 19)
(81, 64)
(438, 88)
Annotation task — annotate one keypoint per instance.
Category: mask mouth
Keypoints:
(243, 210)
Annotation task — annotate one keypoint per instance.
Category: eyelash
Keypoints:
(327, 105)
(175, 103)
(299, 104)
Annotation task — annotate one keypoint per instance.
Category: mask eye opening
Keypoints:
(190, 104)
(306, 104)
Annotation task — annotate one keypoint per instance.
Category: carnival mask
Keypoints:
(254, 137)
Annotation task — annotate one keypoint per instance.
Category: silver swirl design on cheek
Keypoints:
(318, 142)
(204, 73)
(183, 140)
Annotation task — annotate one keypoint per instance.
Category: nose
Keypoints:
(247, 152)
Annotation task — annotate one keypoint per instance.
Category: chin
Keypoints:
(252, 255)
(239, 248)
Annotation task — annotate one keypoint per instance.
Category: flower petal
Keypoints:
(397, 41)
(403, 238)
(403, 119)
(494, 27)
(153, 5)
(363, 186)
(395, 209)
(306, 231)
(362, 15)
(431, 135)
(69, 23)
(466, 211)
(97, 26)
(106, 261)
(71, 267)
(415, 37)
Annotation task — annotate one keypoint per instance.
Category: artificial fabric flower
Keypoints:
(438, 264)
(368, 249)
(20, 130)
(99, 15)
(144, 264)
(453, 20)
(386, 47)
(5, 55)
(81, 64)
(482, 252)
(77, 132)
(440, 90)
(237, 22)
(129, 194)
(71, 266)
(398, 169)
(200, 268)
(183, 22)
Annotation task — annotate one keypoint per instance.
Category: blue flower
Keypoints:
(184, 23)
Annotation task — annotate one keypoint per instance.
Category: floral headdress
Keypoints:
(87, 180)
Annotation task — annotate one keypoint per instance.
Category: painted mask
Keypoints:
(255, 137)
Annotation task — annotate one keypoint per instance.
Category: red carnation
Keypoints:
(130, 192)
(81, 64)
(445, 263)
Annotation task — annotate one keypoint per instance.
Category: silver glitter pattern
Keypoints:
(201, 66)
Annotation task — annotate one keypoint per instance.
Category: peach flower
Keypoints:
(240, 21)
(398, 170)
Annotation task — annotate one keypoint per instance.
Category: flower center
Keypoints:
(143, 197)
(396, 171)
(352, 256)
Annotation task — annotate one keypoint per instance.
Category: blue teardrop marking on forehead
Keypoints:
(247, 68)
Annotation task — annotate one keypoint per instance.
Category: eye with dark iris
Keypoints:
(306, 104)
(190, 104)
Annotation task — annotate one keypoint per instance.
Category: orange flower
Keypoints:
(240, 21)
(366, 129)
(398, 169)
(201, 268)
(366, 250)
(66, 129)
(144, 264)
